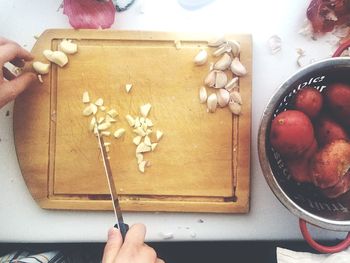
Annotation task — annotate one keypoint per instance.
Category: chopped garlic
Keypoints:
(110, 119)
(142, 147)
(119, 133)
(149, 122)
(137, 122)
(128, 87)
(99, 102)
(92, 124)
(147, 141)
(107, 144)
(113, 113)
(40, 78)
(139, 157)
(139, 131)
(130, 120)
(93, 108)
(144, 126)
(107, 149)
(144, 109)
(153, 146)
(105, 133)
(142, 165)
(137, 140)
(100, 120)
(159, 135)
(104, 126)
(102, 108)
(87, 111)
(86, 97)
(148, 131)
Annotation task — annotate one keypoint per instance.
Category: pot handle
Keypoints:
(321, 248)
(341, 48)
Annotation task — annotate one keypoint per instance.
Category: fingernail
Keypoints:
(112, 232)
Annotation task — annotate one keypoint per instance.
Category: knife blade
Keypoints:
(115, 200)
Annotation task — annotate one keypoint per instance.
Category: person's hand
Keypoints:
(10, 85)
(133, 250)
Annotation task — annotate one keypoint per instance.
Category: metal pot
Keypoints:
(305, 201)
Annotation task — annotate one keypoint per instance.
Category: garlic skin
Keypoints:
(57, 57)
(41, 68)
(223, 63)
(223, 97)
(68, 47)
(203, 95)
(237, 67)
(212, 102)
(275, 44)
(201, 58)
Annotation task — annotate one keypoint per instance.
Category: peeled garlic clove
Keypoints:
(68, 47)
(119, 133)
(233, 83)
(86, 97)
(235, 97)
(212, 102)
(221, 50)
(41, 68)
(220, 79)
(203, 95)
(130, 120)
(223, 97)
(216, 41)
(144, 109)
(235, 47)
(201, 57)
(223, 63)
(210, 79)
(237, 67)
(235, 108)
(159, 135)
(57, 57)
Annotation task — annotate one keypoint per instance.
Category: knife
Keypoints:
(117, 211)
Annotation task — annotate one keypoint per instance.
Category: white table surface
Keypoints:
(22, 220)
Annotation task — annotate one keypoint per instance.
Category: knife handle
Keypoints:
(123, 229)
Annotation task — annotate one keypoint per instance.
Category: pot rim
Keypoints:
(284, 89)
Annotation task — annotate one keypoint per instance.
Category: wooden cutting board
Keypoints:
(202, 163)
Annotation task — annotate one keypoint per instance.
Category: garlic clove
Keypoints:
(235, 47)
(145, 109)
(201, 58)
(233, 83)
(86, 97)
(235, 108)
(57, 57)
(212, 102)
(236, 97)
(223, 63)
(216, 41)
(237, 67)
(210, 79)
(223, 97)
(203, 95)
(222, 49)
(130, 120)
(68, 47)
(41, 68)
(220, 79)
(119, 133)
(137, 140)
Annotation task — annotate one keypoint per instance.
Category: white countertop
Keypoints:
(22, 220)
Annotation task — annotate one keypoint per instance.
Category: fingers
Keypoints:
(5, 40)
(113, 245)
(136, 234)
(13, 52)
(11, 89)
(158, 260)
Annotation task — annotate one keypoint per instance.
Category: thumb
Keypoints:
(11, 89)
(113, 245)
